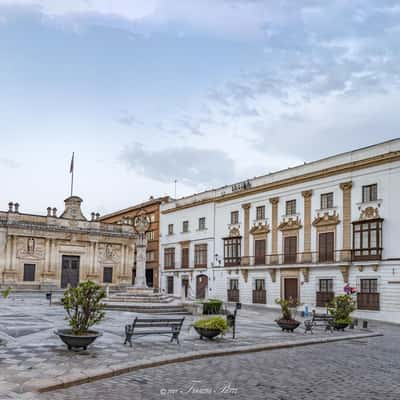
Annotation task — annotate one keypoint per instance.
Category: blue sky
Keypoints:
(206, 92)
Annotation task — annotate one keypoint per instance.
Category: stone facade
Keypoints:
(50, 251)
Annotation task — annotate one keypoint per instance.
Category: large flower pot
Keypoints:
(208, 333)
(77, 341)
(288, 325)
(339, 326)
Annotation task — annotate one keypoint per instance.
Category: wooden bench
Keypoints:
(154, 326)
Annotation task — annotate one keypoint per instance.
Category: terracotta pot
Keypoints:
(77, 341)
(288, 325)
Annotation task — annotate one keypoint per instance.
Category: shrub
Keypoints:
(340, 308)
(6, 292)
(285, 308)
(83, 306)
(212, 306)
(217, 323)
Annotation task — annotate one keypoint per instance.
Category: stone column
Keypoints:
(122, 267)
(246, 229)
(346, 248)
(140, 280)
(274, 227)
(47, 255)
(13, 252)
(53, 256)
(307, 195)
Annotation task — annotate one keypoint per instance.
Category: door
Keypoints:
(70, 271)
(290, 250)
(149, 277)
(326, 247)
(201, 286)
(259, 252)
(107, 274)
(291, 289)
(133, 275)
(185, 287)
(29, 272)
(170, 284)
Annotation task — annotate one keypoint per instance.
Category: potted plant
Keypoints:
(5, 293)
(211, 327)
(212, 306)
(84, 309)
(340, 309)
(286, 321)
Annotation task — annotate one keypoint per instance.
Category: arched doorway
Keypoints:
(201, 286)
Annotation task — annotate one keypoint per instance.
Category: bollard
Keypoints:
(48, 297)
(365, 324)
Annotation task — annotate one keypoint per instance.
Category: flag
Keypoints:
(71, 168)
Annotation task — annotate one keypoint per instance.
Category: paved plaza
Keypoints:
(35, 354)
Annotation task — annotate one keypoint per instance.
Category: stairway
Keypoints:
(144, 308)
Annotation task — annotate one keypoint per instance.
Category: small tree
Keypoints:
(340, 308)
(285, 308)
(83, 306)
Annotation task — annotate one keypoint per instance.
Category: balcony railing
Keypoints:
(324, 298)
(169, 266)
(233, 295)
(259, 296)
(295, 258)
(367, 254)
(368, 301)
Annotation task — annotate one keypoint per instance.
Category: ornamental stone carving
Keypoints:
(30, 248)
(326, 219)
(109, 252)
(369, 213)
(260, 228)
(290, 223)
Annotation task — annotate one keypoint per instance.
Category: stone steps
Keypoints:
(154, 309)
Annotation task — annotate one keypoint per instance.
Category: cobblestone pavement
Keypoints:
(366, 369)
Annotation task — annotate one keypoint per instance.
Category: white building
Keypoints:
(303, 232)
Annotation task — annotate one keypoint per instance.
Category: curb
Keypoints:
(81, 377)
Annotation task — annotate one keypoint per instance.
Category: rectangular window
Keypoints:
(170, 229)
(368, 296)
(370, 193)
(29, 272)
(326, 243)
(259, 251)
(107, 274)
(185, 257)
(169, 258)
(234, 284)
(290, 249)
(170, 284)
(152, 217)
(367, 240)
(185, 226)
(326, 285)
(150, 235)
(202, 223)
(259, 284)
(233, 290)
(200, 255)
(326, 200)
(232, 251)
(291, 207)
(369, 285)
(234, 217)
(150, 256)
(260, 213)
(325, 293)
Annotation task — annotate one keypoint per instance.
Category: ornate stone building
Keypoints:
(42, 251)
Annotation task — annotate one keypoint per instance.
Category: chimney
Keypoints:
(54, 212)
(10, 206)
(97, 216)
(16, 207)
(93, 215)
(49, 211)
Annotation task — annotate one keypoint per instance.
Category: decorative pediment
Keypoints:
(326, 219)
(259, 228)
(369, 213)
(234, 231)
(290, 223)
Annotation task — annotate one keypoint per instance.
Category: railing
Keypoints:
(295, 258)
(233, 295)
(259, 296)
(368, 301)
(170, 266)
(324, 298)
(367, 254)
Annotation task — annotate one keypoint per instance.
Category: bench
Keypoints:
(154, 326)
(326, 320)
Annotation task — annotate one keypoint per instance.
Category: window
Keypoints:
(368, 296)
(326, 285)
(107, 274)
(232, 248)
(259, 251)
(150, 256)
(200, 255)
(150, 235)
(170, 229)
(369, 285)
(233, 284)
(290, 249)
(291, 207)
(185, 257)
(326, 245)
(326, 200)
(367, 239)
(169, 258)
(202, 223)
(259, 284)
(233, 290)
(234, 217)
(260, 213)
(369, 193)
(29, 272)
(170, 284)
(185, 226)
(152, 217)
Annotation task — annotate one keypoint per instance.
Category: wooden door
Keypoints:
(291, 289)
(185, 287)
(259, 252)
(170, 284)
(70, 271)
(107, 274)
(290, 249)
(201, 286)
(149, 277)
(326, 246)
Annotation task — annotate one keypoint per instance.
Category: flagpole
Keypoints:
(71, 171)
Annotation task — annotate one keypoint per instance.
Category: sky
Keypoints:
(207, 93)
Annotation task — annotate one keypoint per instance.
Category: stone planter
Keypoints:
(288, 325)
(339, 327)
(208, 333)
(77, 341)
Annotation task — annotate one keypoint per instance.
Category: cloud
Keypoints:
(126, 118)
(6, 162)
(189, 165)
